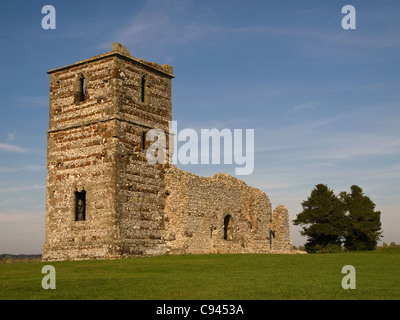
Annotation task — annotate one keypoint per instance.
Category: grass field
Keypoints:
(210, 277)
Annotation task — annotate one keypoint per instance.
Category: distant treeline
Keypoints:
(6, 256)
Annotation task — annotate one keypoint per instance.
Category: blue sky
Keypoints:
(324, 102)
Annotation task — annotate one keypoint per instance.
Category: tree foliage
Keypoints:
(329, 221)
(364, 225)
(323, 219)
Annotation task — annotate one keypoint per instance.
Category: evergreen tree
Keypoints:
(364, 229)
(323, 219)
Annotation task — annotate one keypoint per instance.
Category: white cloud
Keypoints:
(359, 146)
(308, 105)
(11, 148)
(163, 23)
(28, 168)
(11, 137)
(23, 188)
(160, 31)
(13, 200)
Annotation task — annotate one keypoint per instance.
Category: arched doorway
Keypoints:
(228, 228)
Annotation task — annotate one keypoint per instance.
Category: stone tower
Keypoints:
(103, 199)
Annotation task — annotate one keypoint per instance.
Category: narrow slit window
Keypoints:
(144, 140)
(143, 89)
(82, 88)
(80, 205)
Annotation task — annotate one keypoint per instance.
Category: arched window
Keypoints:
(228, 228)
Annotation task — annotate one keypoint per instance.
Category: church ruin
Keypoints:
(104, 200)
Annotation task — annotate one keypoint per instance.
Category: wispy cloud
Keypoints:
(27, 168)
(18, 216)
(32, 101)
(165, 23)
(161, 23)
(160, 31)
(332, 38)
(307, 105)
(306, 132)
(359, 147)
(22, 188)
(13, 200)
(11, 137)
(11, 148)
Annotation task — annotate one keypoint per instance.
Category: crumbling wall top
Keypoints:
(118, 49)
(116, 46)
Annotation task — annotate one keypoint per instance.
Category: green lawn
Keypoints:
(241, 276)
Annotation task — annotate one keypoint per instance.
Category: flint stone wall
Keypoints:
(196, 209)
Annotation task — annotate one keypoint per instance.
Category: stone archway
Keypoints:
(228, 228)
